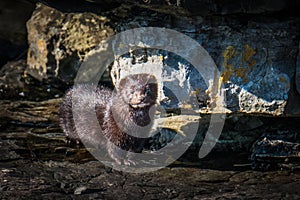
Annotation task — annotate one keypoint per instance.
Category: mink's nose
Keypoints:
(137, 98)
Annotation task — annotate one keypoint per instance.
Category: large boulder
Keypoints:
(59, 41)
(256, 62)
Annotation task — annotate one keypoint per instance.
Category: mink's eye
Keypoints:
(130, 90)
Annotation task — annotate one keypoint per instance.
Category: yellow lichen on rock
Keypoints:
(58, 40)
(227, 71)
(247, 63)
(83, 35)
(247, 54)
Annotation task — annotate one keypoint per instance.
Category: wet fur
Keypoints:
(129, 106)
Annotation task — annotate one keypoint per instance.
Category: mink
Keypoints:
(122, 114)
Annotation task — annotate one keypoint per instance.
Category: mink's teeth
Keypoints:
(141, 105)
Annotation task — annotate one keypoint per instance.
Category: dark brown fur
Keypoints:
(118, 114)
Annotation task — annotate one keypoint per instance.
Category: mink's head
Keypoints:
(138, 90)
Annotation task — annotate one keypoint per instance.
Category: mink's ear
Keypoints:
(152, 79)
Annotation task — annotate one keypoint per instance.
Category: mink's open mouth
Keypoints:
(140, 105)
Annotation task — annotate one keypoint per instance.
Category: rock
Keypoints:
(36, 112)
(232, 7)
(33, 179)
(256, 64)
(247, 123)
(37, 123)
(14, 84)
(7, 153)
(276, 150)
(225, 7)
(80, 190)
(59, 41)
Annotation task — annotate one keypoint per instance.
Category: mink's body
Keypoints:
(119, 114)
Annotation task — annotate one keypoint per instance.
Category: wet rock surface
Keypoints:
(15, 84)
(41, 119)
(36, 162)
(274, 149)
(61, 180)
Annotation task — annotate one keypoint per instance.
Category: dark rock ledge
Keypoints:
(64, 180)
